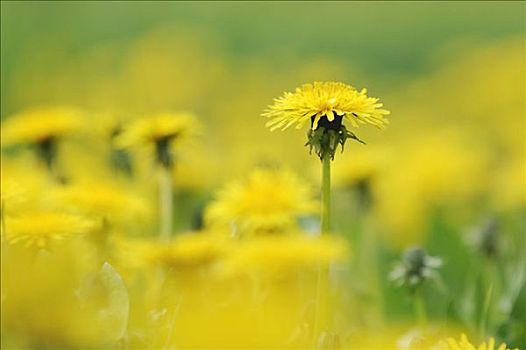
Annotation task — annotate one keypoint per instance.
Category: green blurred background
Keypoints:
(387, 41)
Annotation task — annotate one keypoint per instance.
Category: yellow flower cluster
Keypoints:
(83, 267)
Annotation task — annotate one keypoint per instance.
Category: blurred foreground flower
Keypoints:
(465, 344)
(40, 229)
(269, 201)
(276, 256)
(103, 200)
(184, 251)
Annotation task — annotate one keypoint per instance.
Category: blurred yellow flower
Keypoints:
(278, 255)
(161, 126)
(465, 344)
(268, 201)
(103, 200)
(11, 191)
(39, 124)
(311, 102)
(41, 228)
(184, 251)
(160, 131)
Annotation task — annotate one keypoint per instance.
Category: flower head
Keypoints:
(184, 251)
(159, 130)
(37, 125)
(326, 105)
(415, 268)
(41, 228)
(157, 127)
(103, 200)
(278, 255)
(268, 201)
(325, 100)
(465, 344)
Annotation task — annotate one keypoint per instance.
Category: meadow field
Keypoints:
(263, 175)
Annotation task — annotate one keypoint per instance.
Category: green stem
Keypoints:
(485, 313)
(487, 279)
(420, 308)
(165, 203)
(2, 219)
(326, 195)
(322, 277)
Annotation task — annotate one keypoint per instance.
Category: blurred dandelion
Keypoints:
(267, 202)
(160, 131)
(41, 229)
(277, 256)
(42, 128)
(465, 344)
(415, 268)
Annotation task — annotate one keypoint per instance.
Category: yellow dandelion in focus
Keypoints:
(464, 344)
(39, 125)
(268, 201)
(159, 130)
(326, 102)
(40, 229)
(285, 253)
(184, 251)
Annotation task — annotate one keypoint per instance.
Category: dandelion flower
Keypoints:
(325, 103)
(184, 251)
(415, 268)
(282, 254)
(40, 229)
(268, 201)
(159, 130)
(103, 200)
(37, 125)
(465, 344)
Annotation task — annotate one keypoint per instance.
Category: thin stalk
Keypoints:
(165, 203)
(485, 312)
(487, 279)
(326, 195)
(322, 278)
(2, 219)
(420, 308)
